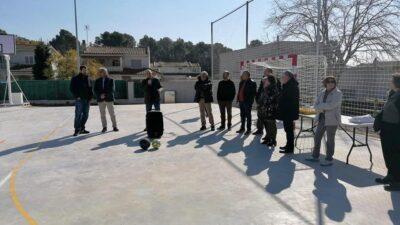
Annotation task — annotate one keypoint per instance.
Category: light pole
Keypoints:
(87, 28)
(78, 61)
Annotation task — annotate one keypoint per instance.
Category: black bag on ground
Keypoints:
(154, 124)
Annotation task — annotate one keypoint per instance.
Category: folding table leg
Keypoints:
(300, 131)
(369, 150)
(352, 146)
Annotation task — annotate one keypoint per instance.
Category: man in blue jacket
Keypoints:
(81, 89)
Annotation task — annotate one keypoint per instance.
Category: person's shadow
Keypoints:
(257, 157)
(48, 144)
(192, 120)
(232, 146)
(184, 139)
(129, 141)
(211, 139)
(281, 174)
(328, 190)
(394, 214)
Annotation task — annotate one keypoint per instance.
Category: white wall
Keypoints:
(127, 61)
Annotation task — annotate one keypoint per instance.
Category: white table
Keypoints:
(345, 124)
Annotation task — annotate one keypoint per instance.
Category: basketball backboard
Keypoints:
(7, 44)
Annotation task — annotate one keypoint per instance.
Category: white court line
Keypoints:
(2, 182)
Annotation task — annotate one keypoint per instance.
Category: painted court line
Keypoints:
(12, 187)
(2, 182)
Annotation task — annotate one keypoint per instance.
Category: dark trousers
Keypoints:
(81, 114)
(288, 126)
(270, 129)
(225, 106)
(260, 124)
(149, 106)
(245, 115)
(330, 142)
(390, 142)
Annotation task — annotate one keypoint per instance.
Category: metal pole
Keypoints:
(78, 62)
(212, 52)
(247, 24)
(318, 40)
(8, 73)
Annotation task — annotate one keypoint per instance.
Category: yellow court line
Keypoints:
(13, 193)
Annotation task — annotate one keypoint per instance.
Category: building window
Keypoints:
(116, 62)
(29, 60)
(136, 63)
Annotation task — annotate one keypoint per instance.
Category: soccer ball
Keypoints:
(144, 144)
(155, 143)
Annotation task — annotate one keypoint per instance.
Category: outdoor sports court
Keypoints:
(49, 177)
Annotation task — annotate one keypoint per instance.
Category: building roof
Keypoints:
(175, 64)
(117, 51)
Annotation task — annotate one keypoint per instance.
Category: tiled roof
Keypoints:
(175, 64)
(103, 50)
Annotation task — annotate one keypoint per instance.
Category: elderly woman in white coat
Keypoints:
(328, 119)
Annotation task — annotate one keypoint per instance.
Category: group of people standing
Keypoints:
(274, 101)
(104, 90)
(82, 90)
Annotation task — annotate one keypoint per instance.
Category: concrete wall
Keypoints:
(184, 89)
(145, 61)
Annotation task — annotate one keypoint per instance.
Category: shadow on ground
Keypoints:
(54, 143)
(129, 141)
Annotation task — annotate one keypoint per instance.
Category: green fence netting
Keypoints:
(54, 89)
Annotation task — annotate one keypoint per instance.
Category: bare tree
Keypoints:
(348, 27)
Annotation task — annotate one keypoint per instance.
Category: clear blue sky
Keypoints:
(187, 19)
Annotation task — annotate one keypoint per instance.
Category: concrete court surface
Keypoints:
(49, 177)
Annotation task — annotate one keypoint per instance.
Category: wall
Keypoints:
(184, 89)
(127, 61)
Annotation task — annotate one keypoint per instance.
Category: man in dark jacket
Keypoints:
(245, 97)
(81, 89)
(104, 90)
(152, 87)
(204, 97)
(225, 95)
(288, 108)
(389, 127)
(267, 72)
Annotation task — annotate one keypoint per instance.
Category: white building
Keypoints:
(123, 63)
(177, 68)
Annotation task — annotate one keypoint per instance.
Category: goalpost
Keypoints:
(7, 48)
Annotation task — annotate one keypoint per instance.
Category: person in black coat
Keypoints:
(267, 108)
(152, 87)
(104, 89)
(267, 72)
(204, 97)
(245, 97)
(288, 108)
(388, 123)
(81, 89)
(225, 95)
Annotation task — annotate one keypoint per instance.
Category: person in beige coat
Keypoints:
(328, 119)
